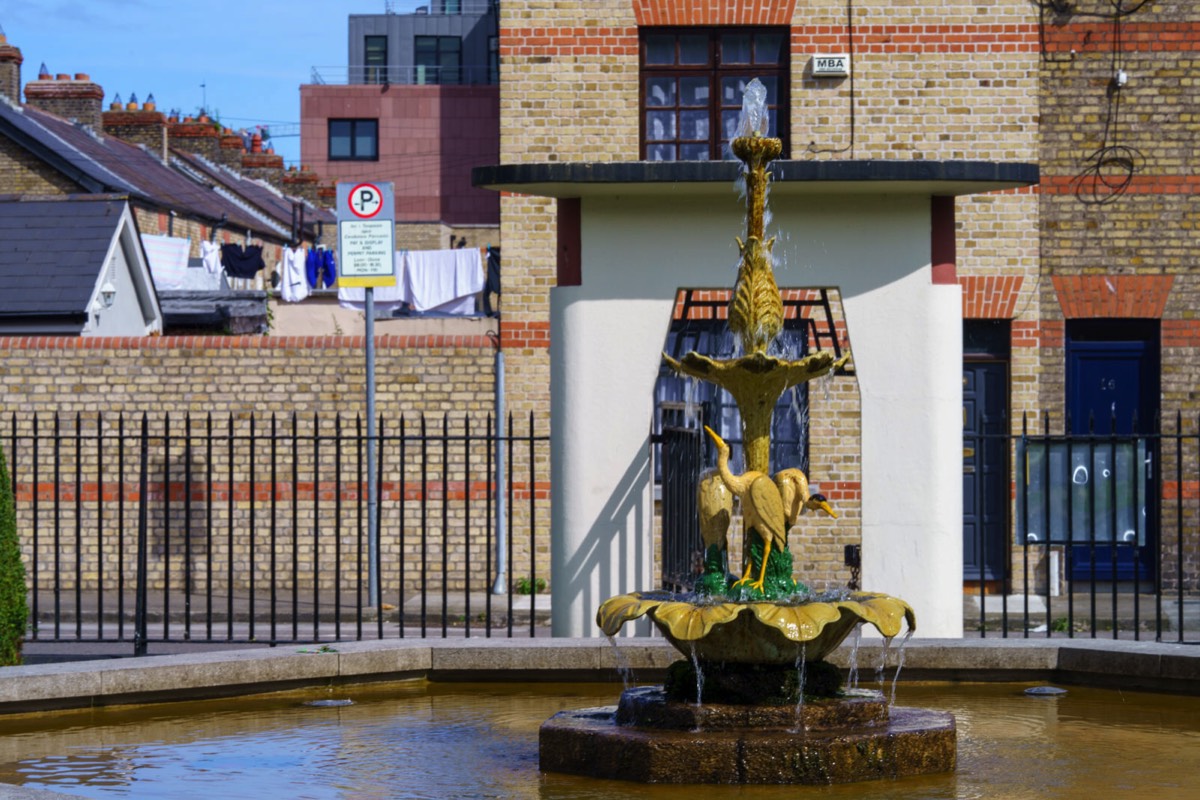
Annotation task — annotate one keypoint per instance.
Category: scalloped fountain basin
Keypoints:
(776, 633)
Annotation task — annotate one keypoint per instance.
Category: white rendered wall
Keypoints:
(607, 337)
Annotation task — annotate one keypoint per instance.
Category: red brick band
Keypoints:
(1043, 333)
(534, 335)
(1136, 37)
(1152, 37)
(265, 491)
(1180, 333)
(395, 342)
(1138, 184)
(878, 39)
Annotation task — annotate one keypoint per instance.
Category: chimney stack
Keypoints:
(10, 69)
(302, 183)
(264, 165)
(198, 135)
(231, 148)
(145, 126)
(76, 98)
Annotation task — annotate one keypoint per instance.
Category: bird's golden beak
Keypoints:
(714, 435)
(818, 503)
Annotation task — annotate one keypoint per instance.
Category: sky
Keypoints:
(245, 58)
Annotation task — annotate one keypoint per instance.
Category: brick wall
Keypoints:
(1118, 237)
(235, 380)
(23, 173)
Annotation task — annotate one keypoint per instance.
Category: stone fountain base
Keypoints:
(650, 739)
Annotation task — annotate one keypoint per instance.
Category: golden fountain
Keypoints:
(753, 701)
(764, 617)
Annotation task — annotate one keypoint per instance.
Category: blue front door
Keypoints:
(1112, 387)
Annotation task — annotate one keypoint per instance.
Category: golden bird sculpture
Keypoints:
(793, 489)
(714, 501)
(762, 508)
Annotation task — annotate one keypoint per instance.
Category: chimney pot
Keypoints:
(43, 72)
(61, 76)
(256, 144)
(82, 76)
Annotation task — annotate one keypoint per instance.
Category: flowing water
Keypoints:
(418, 740)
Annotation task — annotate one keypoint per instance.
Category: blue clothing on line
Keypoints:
(320, 265)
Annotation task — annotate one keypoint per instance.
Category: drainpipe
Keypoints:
(501, 584)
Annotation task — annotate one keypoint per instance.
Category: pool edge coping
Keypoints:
(1149, 666)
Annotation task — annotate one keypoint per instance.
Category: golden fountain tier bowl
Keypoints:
(756, 633)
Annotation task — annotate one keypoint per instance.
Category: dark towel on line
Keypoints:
(241, 263)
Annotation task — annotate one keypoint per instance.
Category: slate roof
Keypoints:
(264, 197)
(106, 164)
(43, 272)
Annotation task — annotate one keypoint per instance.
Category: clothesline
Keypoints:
(444, 281)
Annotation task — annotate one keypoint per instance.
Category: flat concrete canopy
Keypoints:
(940, 178)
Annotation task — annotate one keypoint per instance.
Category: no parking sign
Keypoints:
(366, 234)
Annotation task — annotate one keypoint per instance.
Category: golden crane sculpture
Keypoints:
(793, 488)
(762, 509)
(714, 501)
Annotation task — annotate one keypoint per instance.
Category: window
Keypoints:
(438, 59)
(493, 59)
(375, 59)
(692, 85)
(353, 140)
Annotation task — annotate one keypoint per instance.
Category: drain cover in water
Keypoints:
(329, 703)
(1045, 691)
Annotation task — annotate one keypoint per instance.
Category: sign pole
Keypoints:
(372, 485)
(366, 248)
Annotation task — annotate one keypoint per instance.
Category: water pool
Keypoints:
(422, 740)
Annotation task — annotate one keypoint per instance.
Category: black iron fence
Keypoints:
(1093, 534)
(1099, 536)
(247, 529)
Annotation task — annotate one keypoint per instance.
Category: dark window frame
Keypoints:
(375, 71)
(442, 75)
(714, 70)
(493, 60)
(354, 136)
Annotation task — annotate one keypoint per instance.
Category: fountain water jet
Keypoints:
(772, 709)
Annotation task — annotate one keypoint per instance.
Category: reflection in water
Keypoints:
(417, 740)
